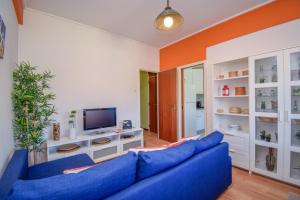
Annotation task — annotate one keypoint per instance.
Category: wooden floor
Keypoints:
(245, 186)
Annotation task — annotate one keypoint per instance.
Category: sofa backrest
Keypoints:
(16, 169)
(98, 182)
(204, 176)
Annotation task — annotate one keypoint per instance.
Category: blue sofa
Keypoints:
(194, 170)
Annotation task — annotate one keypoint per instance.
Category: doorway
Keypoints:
(193, 111)
(148, 101)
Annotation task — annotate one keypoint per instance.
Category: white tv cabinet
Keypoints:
(98, 153)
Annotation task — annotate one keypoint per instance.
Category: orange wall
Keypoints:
(193, 49)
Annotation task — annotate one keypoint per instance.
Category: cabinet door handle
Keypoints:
(286, 116)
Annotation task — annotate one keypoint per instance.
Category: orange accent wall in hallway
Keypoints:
(193, 48)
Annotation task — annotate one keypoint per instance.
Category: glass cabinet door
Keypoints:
(266, 70)
(292, 115)
(266, 113)
(294, 66)
(266, 100)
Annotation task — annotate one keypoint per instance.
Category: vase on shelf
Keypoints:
(72, 133)
(72, 124)
(56, 131)
(270, 160)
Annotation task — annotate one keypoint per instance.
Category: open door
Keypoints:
(168, 105)
(153, 102)
(193, 111)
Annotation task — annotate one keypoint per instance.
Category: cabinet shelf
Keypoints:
(232, 96)
(265, 85)
(233, 114)
(294, 149)
(232, 78)
(56, 155)
(266, 144)
(235, 133)
(295, 83)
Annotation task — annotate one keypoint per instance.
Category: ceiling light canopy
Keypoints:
(168, 19)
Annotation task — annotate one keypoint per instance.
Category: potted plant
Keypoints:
(263, 135)
(72, 124)
(32, 107)
(268, 137)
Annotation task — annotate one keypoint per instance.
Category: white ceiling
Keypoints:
(134, 18)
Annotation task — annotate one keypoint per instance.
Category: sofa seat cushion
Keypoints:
(95, 183)
(57, 167)
(154, 162)
(207, 142)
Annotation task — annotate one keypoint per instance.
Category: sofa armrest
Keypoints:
(17, 168)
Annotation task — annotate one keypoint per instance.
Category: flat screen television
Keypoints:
(99, 118)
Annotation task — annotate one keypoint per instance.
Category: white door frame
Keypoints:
(157, 100)
(179, 95)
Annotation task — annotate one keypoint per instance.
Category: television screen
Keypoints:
(99, 118)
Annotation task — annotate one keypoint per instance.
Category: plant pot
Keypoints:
(33, 157)
(268, 139)
(72, 133)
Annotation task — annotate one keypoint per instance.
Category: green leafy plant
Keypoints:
(31, 105)
(72, 118)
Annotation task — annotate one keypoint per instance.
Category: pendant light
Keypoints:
(168, 19)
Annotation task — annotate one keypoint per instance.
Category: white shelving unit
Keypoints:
(275, 111)
(238, 140)
(98, 153)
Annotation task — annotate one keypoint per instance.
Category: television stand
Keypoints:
(119, 144)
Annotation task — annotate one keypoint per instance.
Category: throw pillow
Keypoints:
(208, 141)
(154, 162)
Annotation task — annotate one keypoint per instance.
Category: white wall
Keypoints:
(6, 66)
(275, 38)
(94, 68)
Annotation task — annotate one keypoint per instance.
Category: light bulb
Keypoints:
(168, 22)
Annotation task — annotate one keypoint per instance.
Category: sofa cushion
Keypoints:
(57, 167)
(208, 141)
(96, 183)
(151, 163)
(16, 169)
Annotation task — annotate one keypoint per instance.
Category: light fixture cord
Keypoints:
(168, 3)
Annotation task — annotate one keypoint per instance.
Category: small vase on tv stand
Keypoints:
(72, 124)
(72, 133)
